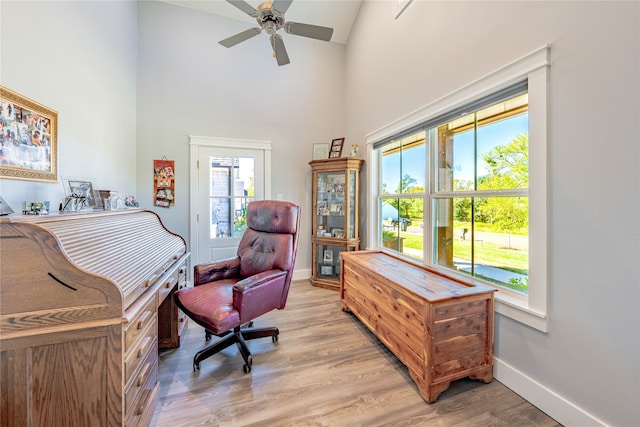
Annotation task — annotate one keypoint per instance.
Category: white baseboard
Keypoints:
(548, 401)
(301, 274)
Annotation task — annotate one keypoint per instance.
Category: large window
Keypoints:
(460, 185)
(479, 177)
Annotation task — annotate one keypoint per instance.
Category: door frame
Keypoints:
(195, 142)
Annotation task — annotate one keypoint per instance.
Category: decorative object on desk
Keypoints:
(355, 150)
(164, 183)
(73, 203)
(82, 190)
(35, 208)
(29, 138)
(336, 148)
(5, 209)
(320, 151)
(131, 202)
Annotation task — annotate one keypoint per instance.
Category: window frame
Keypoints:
(531, 308)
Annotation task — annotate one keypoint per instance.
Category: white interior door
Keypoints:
(227, 179)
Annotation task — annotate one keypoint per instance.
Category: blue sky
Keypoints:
(498, 133)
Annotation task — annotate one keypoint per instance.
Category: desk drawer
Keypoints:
(138, 387)
(167, 284)
(140, 325)
(135, 357)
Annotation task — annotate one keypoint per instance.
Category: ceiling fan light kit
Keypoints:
(270, 17)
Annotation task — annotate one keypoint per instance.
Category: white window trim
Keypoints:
(529, 309)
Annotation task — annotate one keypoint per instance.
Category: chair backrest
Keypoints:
(270, 240)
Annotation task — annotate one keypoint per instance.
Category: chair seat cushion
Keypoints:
(210, 305)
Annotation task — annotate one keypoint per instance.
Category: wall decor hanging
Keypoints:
(164, 183)
(29, 142)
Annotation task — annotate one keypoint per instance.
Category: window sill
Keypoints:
(517, 309)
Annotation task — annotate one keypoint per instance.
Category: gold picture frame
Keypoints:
(336, 148)
(29, 144)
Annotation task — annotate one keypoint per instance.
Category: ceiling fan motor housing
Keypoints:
(270, 19)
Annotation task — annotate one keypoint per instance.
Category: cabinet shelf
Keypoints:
(335, 190)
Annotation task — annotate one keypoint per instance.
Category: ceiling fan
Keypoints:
(270, 17)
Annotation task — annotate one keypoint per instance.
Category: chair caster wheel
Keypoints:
(247, 366)
(196, 367)
(274, 339)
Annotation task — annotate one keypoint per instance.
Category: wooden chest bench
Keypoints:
(439, 327)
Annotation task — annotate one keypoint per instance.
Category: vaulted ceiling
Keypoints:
(337, 14)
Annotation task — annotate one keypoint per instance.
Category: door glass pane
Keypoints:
(231, 189)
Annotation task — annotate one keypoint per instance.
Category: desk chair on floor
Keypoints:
(228, 294)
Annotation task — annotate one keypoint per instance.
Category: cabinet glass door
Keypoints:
(331, 205)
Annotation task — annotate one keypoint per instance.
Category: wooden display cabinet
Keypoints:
(335, 189)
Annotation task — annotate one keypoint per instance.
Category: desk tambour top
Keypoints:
(97, 262)
(426, 283)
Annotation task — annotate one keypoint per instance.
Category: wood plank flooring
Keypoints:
(326, 370)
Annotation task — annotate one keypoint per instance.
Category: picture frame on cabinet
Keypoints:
(327, 256)
(336, 148)
(320, 151)
(322, 207)
(338, 233)
(29, 138)
(326, 270)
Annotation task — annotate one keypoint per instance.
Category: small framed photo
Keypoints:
(338, 233)
(327, 257)
(322, 207)
(320, 151)
(84, 190)
(336, 148)
(326, 270)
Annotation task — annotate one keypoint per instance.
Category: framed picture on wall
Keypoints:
(29, 138)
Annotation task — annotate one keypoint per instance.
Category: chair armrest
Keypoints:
(218, 270)
(257, 280)
(259, 294)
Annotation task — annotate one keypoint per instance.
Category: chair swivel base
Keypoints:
(238, 337)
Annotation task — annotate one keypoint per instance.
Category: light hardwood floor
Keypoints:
(326, 370)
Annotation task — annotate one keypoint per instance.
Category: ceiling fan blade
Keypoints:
(279, 50)
(281, 5)
(308, 30)
(245, 7)
(240, 37)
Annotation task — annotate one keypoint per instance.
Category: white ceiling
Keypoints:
(337, 14)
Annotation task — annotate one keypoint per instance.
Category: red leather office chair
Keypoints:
(228, 294)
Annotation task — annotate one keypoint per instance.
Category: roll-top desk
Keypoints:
(83, 309)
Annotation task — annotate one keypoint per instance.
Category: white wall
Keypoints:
(188, 84)
(586, 369)
(78, 58)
